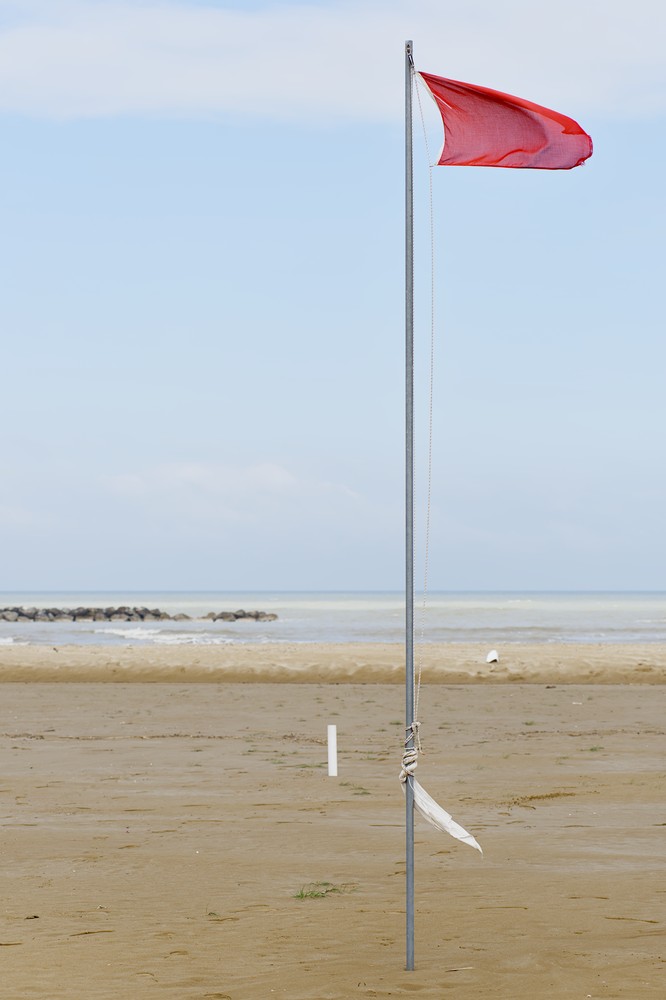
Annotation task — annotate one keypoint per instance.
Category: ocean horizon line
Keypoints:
(332, 591)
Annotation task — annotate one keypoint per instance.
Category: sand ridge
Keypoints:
(336, 662)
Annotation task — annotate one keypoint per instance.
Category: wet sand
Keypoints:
(161, 840)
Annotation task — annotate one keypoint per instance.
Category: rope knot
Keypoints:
(413, 736)
(410, 757)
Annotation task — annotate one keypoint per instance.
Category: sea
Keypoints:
(491, 618)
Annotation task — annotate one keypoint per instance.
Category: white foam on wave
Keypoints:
(187, 638)
(130, 633)
(163, 637)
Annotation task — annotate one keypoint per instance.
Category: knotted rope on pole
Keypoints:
(410, 757)
(424, 804)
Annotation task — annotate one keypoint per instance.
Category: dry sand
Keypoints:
(155, 836)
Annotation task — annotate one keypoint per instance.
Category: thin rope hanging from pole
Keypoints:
(431, 386)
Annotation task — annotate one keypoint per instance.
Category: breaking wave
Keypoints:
(162, 637)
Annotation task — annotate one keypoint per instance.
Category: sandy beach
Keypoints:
(182, 839)
(340, 663)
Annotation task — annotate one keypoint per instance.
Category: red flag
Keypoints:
(485, 128)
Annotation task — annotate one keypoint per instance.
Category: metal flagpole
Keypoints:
(409, 501)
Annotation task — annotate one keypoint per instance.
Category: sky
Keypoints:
(202, 317)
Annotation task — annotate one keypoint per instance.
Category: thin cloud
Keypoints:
(14, 518)
(223, 492)
(327, 61)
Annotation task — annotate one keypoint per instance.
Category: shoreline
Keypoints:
(337, 663)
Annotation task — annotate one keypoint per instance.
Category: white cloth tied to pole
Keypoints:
(426, 806)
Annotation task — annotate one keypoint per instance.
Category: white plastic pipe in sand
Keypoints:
(332, 751)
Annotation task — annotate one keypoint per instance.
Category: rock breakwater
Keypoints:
(124, 614)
